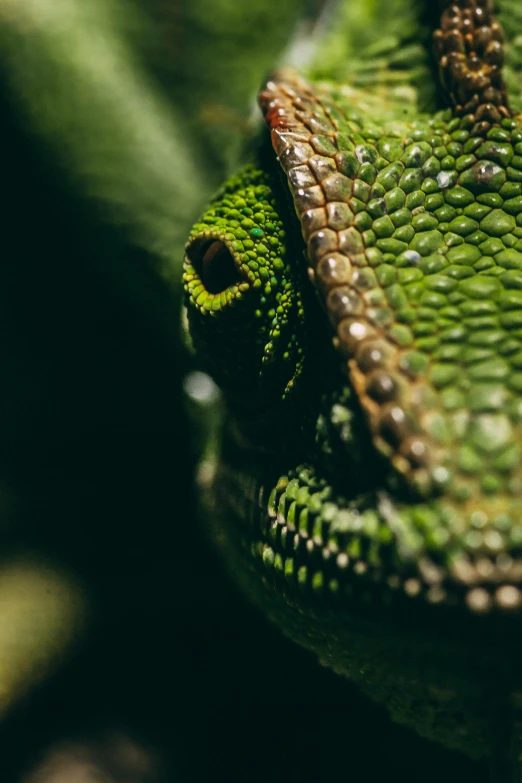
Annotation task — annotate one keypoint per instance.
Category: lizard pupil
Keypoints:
(215, 267)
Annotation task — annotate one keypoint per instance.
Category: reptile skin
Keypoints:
(356, 292)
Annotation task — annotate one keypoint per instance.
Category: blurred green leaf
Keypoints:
(101, 118)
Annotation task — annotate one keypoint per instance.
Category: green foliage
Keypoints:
(137, 107)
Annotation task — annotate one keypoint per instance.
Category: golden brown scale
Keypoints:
(470, 52)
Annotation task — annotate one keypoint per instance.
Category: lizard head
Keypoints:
(357, 293)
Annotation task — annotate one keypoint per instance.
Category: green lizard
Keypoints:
(356, 291)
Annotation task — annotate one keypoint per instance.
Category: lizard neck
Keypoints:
(385, 47)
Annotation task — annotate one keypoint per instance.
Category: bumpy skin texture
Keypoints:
(369, 494)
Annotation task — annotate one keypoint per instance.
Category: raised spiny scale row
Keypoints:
(469, 49)
(301, 128)
(301, 540)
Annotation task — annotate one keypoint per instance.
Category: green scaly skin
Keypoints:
(369, 491)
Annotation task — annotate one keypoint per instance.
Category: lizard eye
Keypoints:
(214, 264)
(244, 306)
